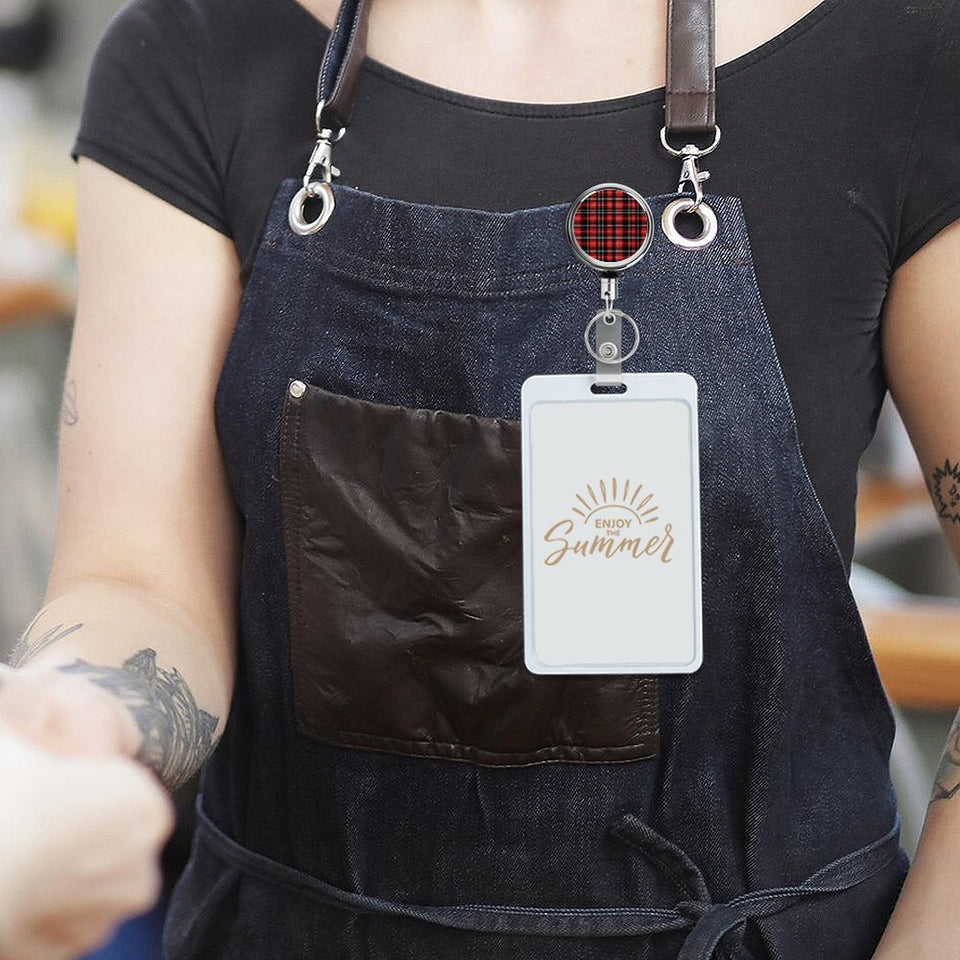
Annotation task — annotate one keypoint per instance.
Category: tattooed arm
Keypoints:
(141, 706)
(943, 483)
(139, 624)
(921, 348)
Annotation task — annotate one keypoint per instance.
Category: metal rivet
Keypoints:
(607, 351)
(297, 388)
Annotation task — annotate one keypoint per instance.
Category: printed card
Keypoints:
(611, 525)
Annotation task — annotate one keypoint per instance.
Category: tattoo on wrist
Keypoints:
(177, 735)
(945, 489)
(947, 781)
(68, 409)
(32, 643)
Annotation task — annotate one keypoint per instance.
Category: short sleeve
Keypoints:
(931, 177)
(144, 110)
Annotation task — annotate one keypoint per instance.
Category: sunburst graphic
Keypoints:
(619, 496)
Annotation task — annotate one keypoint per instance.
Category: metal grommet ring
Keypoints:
(316, 189)
(600, 314)
(708, 222)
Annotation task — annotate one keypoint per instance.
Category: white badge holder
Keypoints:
(611, 485)
(611, 525)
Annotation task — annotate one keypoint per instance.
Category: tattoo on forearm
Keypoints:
(68, 409)
(30, 645)
(947, 781)
(945, 489)
(177, 735)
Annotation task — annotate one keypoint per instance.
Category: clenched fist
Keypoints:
(66, 714)
(80, 837)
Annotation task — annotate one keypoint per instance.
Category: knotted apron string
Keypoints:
(709, 921)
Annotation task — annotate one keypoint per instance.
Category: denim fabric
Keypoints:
(773, 762)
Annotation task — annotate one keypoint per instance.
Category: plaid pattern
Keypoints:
(610, 225)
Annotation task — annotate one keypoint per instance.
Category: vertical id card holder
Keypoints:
(611, 525)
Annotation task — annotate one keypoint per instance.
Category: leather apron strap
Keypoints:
(691, 99)
(340, 68)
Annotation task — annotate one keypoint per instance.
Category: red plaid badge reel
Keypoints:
(610, 228)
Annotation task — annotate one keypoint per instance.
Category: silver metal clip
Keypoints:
(609, 289)
(322, 159)
(609, 371)
(608, 335)
(316, 188)
(692, 174)
(608, 324)
(322, 156)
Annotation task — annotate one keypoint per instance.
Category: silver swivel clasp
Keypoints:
(322, 156)
(317, 180)
(692, 178)
(321, 160)
(691, 173)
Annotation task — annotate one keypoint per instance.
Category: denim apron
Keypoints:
(393, 784)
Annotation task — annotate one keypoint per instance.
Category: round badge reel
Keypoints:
(610, 228)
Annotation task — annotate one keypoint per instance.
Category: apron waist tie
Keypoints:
(710, 920)
(707, 921)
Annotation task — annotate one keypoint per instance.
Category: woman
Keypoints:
(392, 782)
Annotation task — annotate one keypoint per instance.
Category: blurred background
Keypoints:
(45, 52)
(904, 577)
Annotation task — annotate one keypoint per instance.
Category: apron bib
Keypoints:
(393, 783)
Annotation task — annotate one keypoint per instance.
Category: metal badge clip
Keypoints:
(608, 323)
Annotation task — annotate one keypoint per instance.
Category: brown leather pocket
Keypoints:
(404, 565)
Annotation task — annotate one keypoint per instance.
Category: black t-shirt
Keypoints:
(841, 135)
